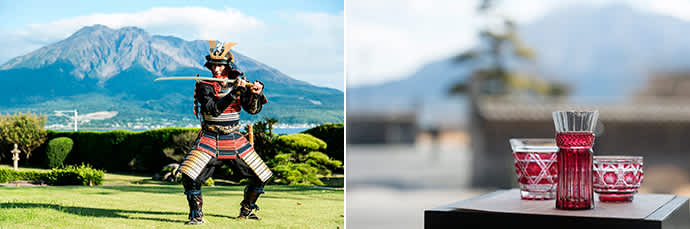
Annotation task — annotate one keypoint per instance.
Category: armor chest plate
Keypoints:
(234, 107)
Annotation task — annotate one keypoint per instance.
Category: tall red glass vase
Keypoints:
(575, 138)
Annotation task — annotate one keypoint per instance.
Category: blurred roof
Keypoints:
(383, 116)
(656, 110)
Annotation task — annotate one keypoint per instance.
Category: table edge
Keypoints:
(663, 212)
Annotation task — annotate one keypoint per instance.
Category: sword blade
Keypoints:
(249, 84)
(194, 78)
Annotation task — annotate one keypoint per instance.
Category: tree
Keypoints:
(493, 76)
(26, 130)
(270, 122)
(299, 160)
(263, 138)
(181, 144)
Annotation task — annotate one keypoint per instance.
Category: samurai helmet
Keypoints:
(220, 54)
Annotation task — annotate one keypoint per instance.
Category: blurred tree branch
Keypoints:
(492, 76)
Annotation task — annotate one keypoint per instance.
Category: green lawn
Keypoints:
(132, 201)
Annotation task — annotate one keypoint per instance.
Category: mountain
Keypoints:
(98, 68)
(424, 92)
(601, 52)
(607, 51)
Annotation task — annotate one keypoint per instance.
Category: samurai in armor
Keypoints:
(219, 141)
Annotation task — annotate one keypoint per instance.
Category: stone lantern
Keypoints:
(15, 157)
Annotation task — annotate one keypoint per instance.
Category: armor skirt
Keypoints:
(232, 145)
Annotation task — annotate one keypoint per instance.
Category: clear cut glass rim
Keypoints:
(576, 111)
(582, 131)
(575, 120)
(518, 145)
(617, 158)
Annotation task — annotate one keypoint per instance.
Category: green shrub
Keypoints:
(81, 175)
(64, 177)
(224, 172)
(296, 174)
(148, 151)
(322, 163)
(181, 144)
(264, 139)
(301, 142)
(283, 158)
(69, 175)
(209, 182)
(7, 175)
(119, 150)
(334, 136)
(57, 151)
(298, 162)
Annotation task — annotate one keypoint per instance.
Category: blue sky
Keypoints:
(303, 39)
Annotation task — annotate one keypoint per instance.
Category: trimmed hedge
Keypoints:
(69, 175)
(57, 151)
(322, 162)
(334, 136)
(149, 151)
(301, 142)
(119, 150)
(7, 175)
(73, 175)
(298, 162)
(295, 174)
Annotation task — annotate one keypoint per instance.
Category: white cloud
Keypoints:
(675, 8)
(305, 45)
(390, 39)
(310, 47)
(186, 22)
(189, 23)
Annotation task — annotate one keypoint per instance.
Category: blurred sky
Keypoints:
(389, 39)
(302, 38)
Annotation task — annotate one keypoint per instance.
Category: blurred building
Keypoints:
(381, 128)
(667, 85)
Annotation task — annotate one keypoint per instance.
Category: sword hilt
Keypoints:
(249, 84)
(250, 132)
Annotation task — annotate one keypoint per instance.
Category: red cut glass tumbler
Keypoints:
(617, 178)
(575, 138)
(535, 166)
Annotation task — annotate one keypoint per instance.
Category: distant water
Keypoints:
(100, 129)
(275, 130)
(288, 130)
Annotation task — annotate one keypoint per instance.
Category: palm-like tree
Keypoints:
(270, 122)
(493, 77)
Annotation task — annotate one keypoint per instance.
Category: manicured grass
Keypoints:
(131, 201)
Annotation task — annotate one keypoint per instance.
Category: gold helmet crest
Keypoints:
(219, 53)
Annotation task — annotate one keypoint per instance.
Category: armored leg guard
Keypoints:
(248, 205)
(196, 216)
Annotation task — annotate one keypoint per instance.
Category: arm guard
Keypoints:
(252, 103)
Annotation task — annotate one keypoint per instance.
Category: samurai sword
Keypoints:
(194, 78)
(200, 78)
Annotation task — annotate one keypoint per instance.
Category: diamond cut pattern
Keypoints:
(536, 168)
(617, 175)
